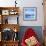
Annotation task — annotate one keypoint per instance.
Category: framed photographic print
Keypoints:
(30, 13)
(5, 12)
(12, 12)
(13, 19)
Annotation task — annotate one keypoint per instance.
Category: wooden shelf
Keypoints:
(11, 9)
(4, 24)
(10, 43)
(11, 26)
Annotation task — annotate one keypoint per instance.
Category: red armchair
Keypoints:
(29, 33)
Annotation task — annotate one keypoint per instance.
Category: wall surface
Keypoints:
(37, 30)
(7, 3)
(40, 16)
(27, 3)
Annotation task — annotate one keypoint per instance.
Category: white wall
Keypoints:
(40, 16)
(7, 3)
(27, 3)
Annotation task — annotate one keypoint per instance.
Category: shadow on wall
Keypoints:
(37, 29)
